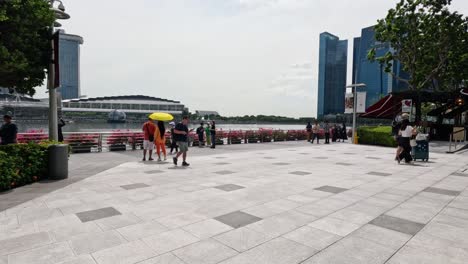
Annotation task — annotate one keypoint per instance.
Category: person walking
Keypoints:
(406, 132)
(160, 140)
(213, 134)
(315, 132)
(181, 136)
(201, 132)
(8, 131)
(396, 125)
(60, 133)
(148, 138)
(344, 132)
(335, 133)
(326, 127)
(173, 141)
(309, 131)
(208, 134)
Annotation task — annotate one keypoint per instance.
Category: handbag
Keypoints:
(150, 136)
(413, 143)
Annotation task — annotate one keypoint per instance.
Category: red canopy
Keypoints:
(386, 108)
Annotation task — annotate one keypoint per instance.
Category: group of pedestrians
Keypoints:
(338, 133)
(403, 133)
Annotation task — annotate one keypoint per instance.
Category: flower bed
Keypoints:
(32, 136)
(235, 137)
(82, 143)
(22, 164)
(266, 134)
(252, 136)
(279, 135)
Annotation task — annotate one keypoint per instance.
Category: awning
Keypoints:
(386, 108)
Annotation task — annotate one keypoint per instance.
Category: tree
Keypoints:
(25, 48)
(429, 40)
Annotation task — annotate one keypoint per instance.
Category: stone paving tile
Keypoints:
(97, 214)
(397, 224)
(168, 258)
(222, 163)
(237, 219)
(229, 187)
(277, 251)
(312, 237)
(281, 163)
(269, 157)
(179, 220)
(66, 232)
(225, 172)
(154, 171)
(376, 173)
(281, 224)
(271, 208)
(25, 242)
(169, 241)
(412, 255)
(117, 221)
(343, 164)
(331, 189)
(82, 259)
(441, 191)
(334, 225)
(205, 252)
(207, 228)
(459, 174)
(140, 230)
(134, 186)
(373, 158)
(89, 243)
(128, 253)
(242, 239)
(382, 236)
(49, 254)
(300, 173)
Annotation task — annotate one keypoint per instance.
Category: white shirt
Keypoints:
(408, 132)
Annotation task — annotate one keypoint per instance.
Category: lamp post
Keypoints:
(354, 88)
(53, 119)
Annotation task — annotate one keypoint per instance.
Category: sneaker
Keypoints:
(165, 158)
(185, 164)
(159, 159)
(174, 160)
(150, 159)
(144, 159)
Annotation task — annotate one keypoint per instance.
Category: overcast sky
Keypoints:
(233, 56)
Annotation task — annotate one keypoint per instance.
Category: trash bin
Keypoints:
(58, 162)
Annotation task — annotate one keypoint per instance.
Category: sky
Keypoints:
(237, 57)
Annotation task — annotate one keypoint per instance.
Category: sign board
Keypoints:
(349, 103)
(406, 106)
(361, 102)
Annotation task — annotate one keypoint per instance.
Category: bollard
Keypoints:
(58, 162)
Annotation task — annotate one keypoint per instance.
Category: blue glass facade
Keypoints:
(379, 83)
(333, 56)
(69, 58)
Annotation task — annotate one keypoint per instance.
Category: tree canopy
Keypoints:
(24, 43)
(429, 40)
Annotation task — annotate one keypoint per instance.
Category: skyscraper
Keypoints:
(332, 74)
(69, 58)
(378, 82)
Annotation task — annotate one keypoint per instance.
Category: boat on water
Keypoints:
(117, 116)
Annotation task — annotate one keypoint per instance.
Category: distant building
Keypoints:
(333, 58)
(69, 58)
(136, 107)
(202, 113)
(378, 82)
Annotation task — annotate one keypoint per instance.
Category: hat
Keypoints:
(172, 123)
(405, 116)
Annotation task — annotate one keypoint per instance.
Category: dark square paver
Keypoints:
(376, 173)
(397, 224)
(220, 157)
(323, 158)
(441, 191)
(222, 163)
(373, 158)
(460, 174)
(344, 163)
(237, 219)
(224, 172)
(269, 157)
(154, 171)
(134, 186)
(281, 163)
(330, 189)
(301, 173)
(97, 214)
(229, 187)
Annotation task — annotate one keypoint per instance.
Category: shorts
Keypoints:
(147, 145)
(183, 146)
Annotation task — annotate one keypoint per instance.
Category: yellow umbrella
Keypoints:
(161, 116)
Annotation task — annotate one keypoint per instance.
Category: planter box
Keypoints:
(252, 140)
(219, 142)
(118, 147)
(235, 141)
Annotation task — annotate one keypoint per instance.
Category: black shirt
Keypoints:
(213, 130)
(180, 137)
(8, 133)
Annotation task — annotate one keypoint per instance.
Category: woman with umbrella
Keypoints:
(160, 132)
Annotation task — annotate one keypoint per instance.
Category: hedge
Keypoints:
(22, 164)
(380, 136)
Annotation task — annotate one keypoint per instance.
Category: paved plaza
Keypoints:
(277, 203)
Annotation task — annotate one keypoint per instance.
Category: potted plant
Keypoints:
(252, 136)
(118, 140)
(82, 143)
(291, 135)
(235, 137)
(266, 134)
(279, 135)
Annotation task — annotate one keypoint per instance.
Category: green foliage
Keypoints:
(380, 136)
(22, 164)
(25, 47)
(429, 40)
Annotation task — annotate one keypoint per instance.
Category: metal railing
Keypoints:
(457, 136)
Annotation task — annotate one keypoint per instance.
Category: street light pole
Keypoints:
(354, 89)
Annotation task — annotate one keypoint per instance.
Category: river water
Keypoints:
(24, 127)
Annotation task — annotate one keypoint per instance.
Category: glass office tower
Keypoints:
(69, 59)
(332, 74)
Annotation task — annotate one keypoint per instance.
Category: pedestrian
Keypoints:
(208, 134)
(8, 131)
(406, 132)
(201, 132)
(60, 133)
(160, 140)
(396, 125)
(148, 138)
(315, 132)
(181, 136)
(335, 133)
(213, 134)
(344, 132)
(309, 131)
(326, 127)
(173, 141)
